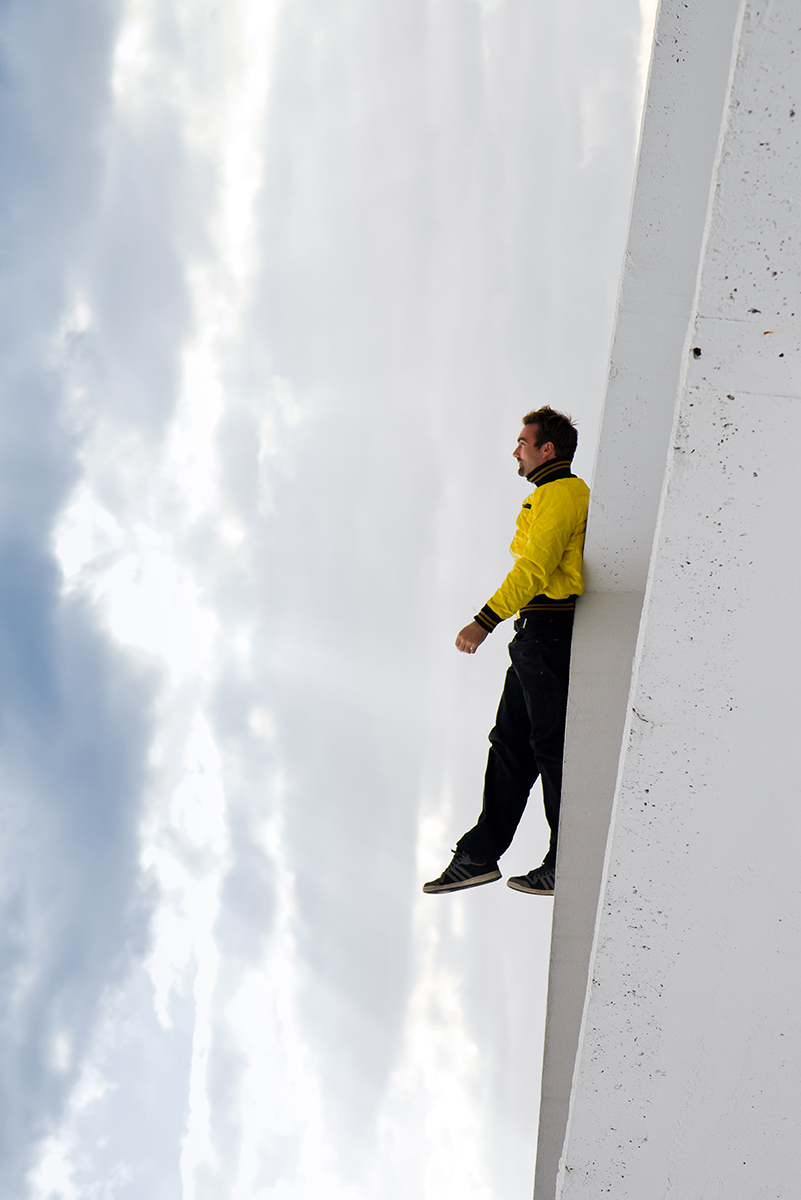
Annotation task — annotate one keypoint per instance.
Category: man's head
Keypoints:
(545, 435)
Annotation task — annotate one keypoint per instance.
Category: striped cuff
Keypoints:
(487, 619)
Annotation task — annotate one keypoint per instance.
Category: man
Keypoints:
(527, 741)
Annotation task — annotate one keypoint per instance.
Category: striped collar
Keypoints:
(555, 468)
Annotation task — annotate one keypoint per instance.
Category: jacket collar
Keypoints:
(555, 468)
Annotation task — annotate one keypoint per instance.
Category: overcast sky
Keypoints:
(279, 281)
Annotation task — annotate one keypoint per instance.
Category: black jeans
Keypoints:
(528, 739)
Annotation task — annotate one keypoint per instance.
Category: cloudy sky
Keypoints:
(279, 278)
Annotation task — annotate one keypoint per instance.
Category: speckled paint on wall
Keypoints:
(685, 1084)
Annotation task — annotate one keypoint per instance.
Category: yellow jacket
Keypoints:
(547, 547)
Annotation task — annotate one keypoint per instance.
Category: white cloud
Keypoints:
(327, 261)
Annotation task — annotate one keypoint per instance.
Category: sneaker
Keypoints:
(463, 873)
(539, 882)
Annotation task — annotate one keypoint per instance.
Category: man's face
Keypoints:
(530, 456)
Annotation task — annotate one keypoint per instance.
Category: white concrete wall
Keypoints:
(687, 1082)
(686, 95)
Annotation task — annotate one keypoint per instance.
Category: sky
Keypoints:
(279, 279)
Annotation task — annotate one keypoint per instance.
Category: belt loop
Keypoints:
(524, 622)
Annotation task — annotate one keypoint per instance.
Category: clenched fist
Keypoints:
(470, 638)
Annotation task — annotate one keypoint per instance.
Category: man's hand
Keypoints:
(471, 638)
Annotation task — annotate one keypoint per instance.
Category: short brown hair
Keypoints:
(554, 427)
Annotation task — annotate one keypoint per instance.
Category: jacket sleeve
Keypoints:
(553, 521)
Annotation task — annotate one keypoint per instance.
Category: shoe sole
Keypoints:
(519, 887)
(432, 889)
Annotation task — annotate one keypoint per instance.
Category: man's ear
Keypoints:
(549, 449)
